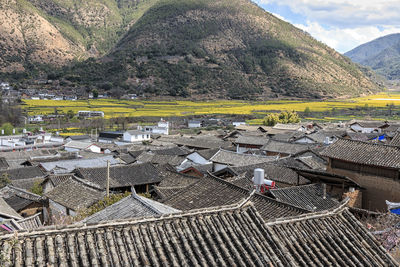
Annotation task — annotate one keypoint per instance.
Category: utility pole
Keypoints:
(108, 179)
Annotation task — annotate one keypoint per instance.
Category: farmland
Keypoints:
(135, 108)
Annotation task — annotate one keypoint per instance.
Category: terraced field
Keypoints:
(134, 108)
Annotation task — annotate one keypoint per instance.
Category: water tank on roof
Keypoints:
(269, 183)
(258, 176)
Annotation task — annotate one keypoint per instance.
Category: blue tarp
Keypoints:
(395, 211)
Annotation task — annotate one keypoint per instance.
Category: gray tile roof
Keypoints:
(201, 143)
(66, 166)
(131, 207)
(235, 159)
(224, 236)
(309, 197)
(76, 194)
(174, 151)
(212, 192)
(251, 140)
(395, 140)
(9, 191)
(160, 159)
(284, 147)
(3, 163)
(23, 173)
(164, 192)
(364, 153)
(273, 172)
(208, 153)
(122, 176)
(7, 212)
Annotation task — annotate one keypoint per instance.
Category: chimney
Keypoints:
(324, 191)
(258, 179)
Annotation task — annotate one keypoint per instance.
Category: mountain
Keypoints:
(382, 55)
(56, 32)
(190, 48)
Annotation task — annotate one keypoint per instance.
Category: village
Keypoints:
(268, 195)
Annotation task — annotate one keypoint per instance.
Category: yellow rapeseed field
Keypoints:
(134, 108)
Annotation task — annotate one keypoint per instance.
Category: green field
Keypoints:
(135, 108)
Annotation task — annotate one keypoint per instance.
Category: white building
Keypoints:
(35, 119)
(194, 124)
(135, 136)
(367, 126)
(161, 128)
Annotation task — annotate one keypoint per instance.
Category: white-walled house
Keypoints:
(194, 124)
(76, 146)
(135, 136)
(367, 127)
(161, 128)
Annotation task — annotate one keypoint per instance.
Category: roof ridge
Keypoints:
(313, 215)
(24, 191)
(245, 204)
(368, 143)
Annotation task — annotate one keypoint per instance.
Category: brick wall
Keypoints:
(355, 198)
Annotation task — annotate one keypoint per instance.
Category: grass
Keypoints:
(135, 108)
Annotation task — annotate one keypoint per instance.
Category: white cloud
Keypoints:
(346, 39)
(345, 13)
(344, 24)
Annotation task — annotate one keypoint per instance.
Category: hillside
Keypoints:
(190, 48)
(382, 55)
(55, 32)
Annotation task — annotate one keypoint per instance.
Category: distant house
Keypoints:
(283, 149)
(375, 167)
(135, 136)
(249, 143)
(72, 195)
(368, 126)
(161, 128)
(76, 146)
(35, 119)
(110, 136)
(81, 138)
(237, 123)
(194, 124)
(90, 114)
(290, 127)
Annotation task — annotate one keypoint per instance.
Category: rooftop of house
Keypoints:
(310, 197)
(66, 166)
(235, 159)
(122, 176)
(130, 207)
(251, 140)
(229, 235)
(210, 191)
(284, 147)
(160, 159)
(75, 194)
(364, 153)
(7, 212)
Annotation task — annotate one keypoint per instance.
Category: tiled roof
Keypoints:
(364, 153)
(202, 143)
(56, 179)
(164, 192)
(30, 223)
(235, 159)
(6, 211)
(65, 166)
(208, 153)
(251, 140)
(23, 173)
(76, 194)
(370, 124)
(395, 140)
(284, 147)
(174, 151)
(3, 163)
(9, 191)
(160, 159)
(122, 176)
(309, 197)
(175, 179)
(224, 236)
(273, 172)
(212, 192)
(131, 207)
(18, 203)
(127, 158)
(312, 163)
(78, 144)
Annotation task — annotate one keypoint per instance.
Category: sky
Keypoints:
(341, 24)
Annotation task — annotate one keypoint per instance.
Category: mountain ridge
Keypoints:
(206, 49)
(381, 55)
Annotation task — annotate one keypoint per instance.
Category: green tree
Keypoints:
(95, 93)
(307, 111)
(271, 119)
(37, 188)
(70, 114)
(8, 128)
(284, 117)
(4, 180)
